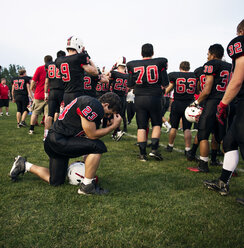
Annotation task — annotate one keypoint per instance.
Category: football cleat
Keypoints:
(31, 132)
(143, 157)
(17, 168)
(155, 154)
(203, 166)
(218, 186)
(169, 148)
(23, 123)
(91, 189)
(119, 135)
(216, 163)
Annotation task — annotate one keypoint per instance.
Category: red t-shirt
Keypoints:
(3, 91)
(39, 78)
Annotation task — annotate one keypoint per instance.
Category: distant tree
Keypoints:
(10, 73)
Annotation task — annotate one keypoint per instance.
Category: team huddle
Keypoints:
(94, 104)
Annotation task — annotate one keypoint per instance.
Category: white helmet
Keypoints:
(193, 113)
(121, 61)
(75, 43)
(76, 173)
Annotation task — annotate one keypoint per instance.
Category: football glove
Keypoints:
(221, 113)
(194, 104)
(86, 53)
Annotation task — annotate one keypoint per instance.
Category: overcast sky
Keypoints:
(178, 29)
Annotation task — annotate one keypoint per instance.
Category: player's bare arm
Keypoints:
(46, 87)
(169, 88)
(207, 89)
(93, 133)
(235, 83)
(91, 68)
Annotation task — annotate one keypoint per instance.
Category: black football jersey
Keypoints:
(71, 71)
(55, 81)
(147, 76)
(90, 83)
(69, 121)
(20, 85)
(118, 83)
(235, 49)
(184, 85)
(221, 71)
(201, 77)
(101, 89)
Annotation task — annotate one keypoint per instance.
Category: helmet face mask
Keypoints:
(75, 43)
(193, 113)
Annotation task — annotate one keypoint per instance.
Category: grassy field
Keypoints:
(154, 204)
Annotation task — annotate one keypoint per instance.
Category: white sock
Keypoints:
(28, 166)
(171, 145)
(187, 149)
(45, 132)
(87, 180)
(231, 160)
(205, 159)
(167, 124)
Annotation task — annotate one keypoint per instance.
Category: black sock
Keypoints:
(142, 147)
(155, 143)
(194, 148)
(32, 127)
(225, 175)
(213, 155)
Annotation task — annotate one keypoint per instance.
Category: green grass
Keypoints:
(154, 204)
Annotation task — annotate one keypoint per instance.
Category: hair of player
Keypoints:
(147, 50)
(185, 66)
(3, 79)
(22, 72)
(61, 53)
(217, 50)
(48, 59)
(113, 100)
(240, 26)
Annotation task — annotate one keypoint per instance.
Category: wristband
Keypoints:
(196, 102)
(222, 105)
(46, 95)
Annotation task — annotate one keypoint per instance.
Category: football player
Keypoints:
(235, 135)
(147, 76)
(217, 74)
(55, 85)
(118, 84)
(21, 93)
(184, 84)
(74, 134)
(72, 69)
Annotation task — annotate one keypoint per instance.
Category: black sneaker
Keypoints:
(216, 163)
(218, 186)
(155, 154)
(190, 156)
(169, 148)
(17, 168)
(203, 166)
(91, 189)
(23, 124)
(143, 158)
(240, 200)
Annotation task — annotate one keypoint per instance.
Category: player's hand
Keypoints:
(13, 100)
(117, 120)
(194, 104)
(221, 113)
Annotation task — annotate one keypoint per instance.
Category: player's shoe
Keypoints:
(119, 135)
(216, 163)
(7, 114)
(240, 200)
(218, 186)
(17, 168)
(203, 166)
(91, 189)
(155, 154)
(143, 157)
(31, 132)
(1, 114)
(169, 148)
(23, 123)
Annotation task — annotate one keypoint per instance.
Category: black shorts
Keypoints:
(208, 122)
(69, 97)
(60, 148)
(148, 107)
(4, 103)
(165, 104)
(54, 101)
(178, 112)
(22, 102)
